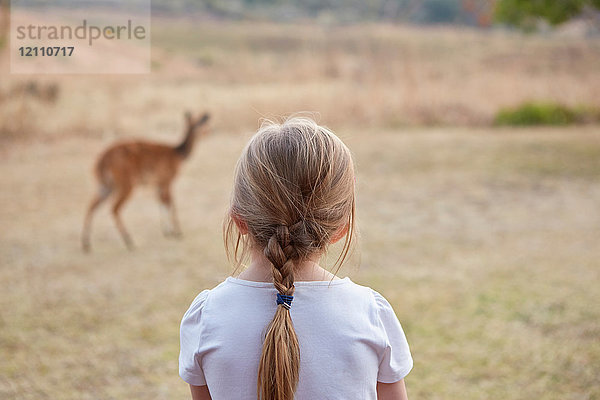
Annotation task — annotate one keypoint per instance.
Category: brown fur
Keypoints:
(123, 166)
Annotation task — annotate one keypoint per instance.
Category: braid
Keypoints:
(278, 371)
(281, 253)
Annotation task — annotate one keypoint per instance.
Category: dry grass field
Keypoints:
(354, 76)
(485, 240)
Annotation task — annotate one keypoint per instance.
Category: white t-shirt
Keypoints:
(349, 337)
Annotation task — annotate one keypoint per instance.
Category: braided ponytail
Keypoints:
(294, 192)
(279, 366)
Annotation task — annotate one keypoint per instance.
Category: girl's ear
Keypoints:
(240, 223)
(340, 234)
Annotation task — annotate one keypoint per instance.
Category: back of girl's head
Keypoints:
(293, 195)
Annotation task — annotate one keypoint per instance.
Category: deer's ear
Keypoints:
(188, 118)
(203, 118)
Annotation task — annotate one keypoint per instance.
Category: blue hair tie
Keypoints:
(284, 300)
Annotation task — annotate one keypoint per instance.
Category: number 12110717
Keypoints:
(50, 51)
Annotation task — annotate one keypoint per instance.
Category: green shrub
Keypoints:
(534, 113)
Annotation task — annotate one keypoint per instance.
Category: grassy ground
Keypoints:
(484, 241)
(355, 76)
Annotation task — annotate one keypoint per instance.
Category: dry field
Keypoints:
(484, 240)
(355, 76)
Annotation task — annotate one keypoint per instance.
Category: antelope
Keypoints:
(123, 166)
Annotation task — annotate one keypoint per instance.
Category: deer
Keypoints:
(125, 165)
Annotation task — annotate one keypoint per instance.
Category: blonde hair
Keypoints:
(294, 193)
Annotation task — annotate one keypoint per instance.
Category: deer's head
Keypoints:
(197, 125)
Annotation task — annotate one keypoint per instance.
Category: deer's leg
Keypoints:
(102, 195)
(165, 224)
(166, 200)
(122, 196)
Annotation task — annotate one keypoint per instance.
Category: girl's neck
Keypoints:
(259, 270)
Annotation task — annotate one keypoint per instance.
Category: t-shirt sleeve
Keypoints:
(190, 368)
(395, 359)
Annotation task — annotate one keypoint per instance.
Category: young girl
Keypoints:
(286, 328)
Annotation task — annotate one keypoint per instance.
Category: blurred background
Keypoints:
(475, 129)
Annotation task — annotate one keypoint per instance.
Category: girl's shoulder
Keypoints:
(376, 300)
(199, 302)
(195, 309)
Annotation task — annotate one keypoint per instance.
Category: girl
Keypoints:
(286, 328)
